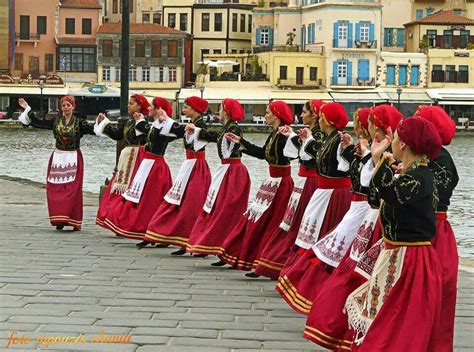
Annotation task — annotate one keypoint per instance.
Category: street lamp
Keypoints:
(201, 89)
(41, 87)
(399, 92)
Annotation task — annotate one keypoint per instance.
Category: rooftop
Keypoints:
(443, 17)
(81, 4)
(138, 28)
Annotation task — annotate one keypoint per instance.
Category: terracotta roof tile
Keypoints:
(138, 28)
(443, 17)
(81, 4)
(76, 41)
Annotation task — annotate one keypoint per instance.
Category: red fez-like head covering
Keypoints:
(233, 108)
(164, 104)
(361, 118)
(282, 110)
(335, 114)
(385, 116)
(315, 106)
(421, 136)
(198, 104)
(70, 99)
(444, 124)
(142, 102)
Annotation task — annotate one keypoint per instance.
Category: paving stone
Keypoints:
(187, 341)
(180, 349)
(133, 322)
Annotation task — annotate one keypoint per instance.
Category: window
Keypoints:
(70, 26)
(204, 52)
(234, 22)
(431, 35)
(437, 73)
(313, 73)
(205, 22)
(172, 74)
(400, 37)
(388, 37)
(448, 38)
(217, 51)
(86, 26)
(450, 74)
(364, 32)
(139, 48)
(183, 22)
(77, 59)
(172, 20)
(172, 48)
(106, 73)
(242, 23)
(464, 38)
(463, 75)
(159, 74)
(24, 27)
(115, 6)
(342, 69)
(145, 74)
(264, 36)
(419, 14)
(157, 18)
(218, 22)
(145, 17)
(249, 24)
(233, 51)
(48, 62)
(342, 34)
(458, 12)
(429, 11)
(156, 48)
(107, 48)
(283, 72)
(18, 62)
(117, 74)
(41, 24)
(133, 74)
(415, 75)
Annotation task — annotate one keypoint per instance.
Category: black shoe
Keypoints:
(179, 252)
(59, 227)
(219, 263)
(252, 275)
(200, 255)
(232, 268)
(142, 244)
(76, 229)
(158, 245)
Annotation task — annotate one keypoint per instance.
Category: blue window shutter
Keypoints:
(357, 37)
(363, 70)
(314, 33)
(302, 29)
(336, 32)
(400, 37)
(350, 35)
(390, 74)
(372, 32)
(419, 14)
(308, 36)
(415, 75)
(334, 72)
(349, 73)
(385, 36)
(270, 36)
(257, 40)
(402, 75)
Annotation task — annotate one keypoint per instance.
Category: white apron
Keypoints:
(215, 187)
(176, 193)
(263, 199)
(364, 234)
(63, 167)
(293, 203)
(134, 192)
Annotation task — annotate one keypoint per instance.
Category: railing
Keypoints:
(235, 77)
(280, 48)
(293, 82)
(27, 36)
(449, 42)
(337, 44)
(353, 81)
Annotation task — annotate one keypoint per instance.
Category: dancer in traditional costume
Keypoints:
(276, 251)
(405, 287)
(327, 323)
(129, 218)
(127, 163)
(245, 242)
(446, 179)
(66, 165)
(325, 210)
(174, 219)
(228, 194)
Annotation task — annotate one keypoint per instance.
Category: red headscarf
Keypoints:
(385, 116)
(361, 118)
(164, 104)
(315, 106)
(234, 109)
(444, 124)
(198, 104)
(335, 114)
(282, 110)
(421, 136)
(142, 102)
(70, 99)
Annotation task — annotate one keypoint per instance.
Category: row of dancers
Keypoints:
(359, 241)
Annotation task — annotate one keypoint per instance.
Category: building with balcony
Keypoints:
(141, 11)
(424, 8)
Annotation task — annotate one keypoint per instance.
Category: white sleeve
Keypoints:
(290, 150)
(24, 118)
(366, 173)
(137, 132)
(193, 139)
(99, 127)
(342, 164)
(303, 155)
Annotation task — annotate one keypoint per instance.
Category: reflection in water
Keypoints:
(25, 152)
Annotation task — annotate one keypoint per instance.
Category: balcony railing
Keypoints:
(449, 42)
(238, 77)
(353, 81)
(338, 44)
(449, 76)
(281, 48)
(27, 36)
(293, 82)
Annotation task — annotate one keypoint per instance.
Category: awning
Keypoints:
(299, 96)
(216, 95)
(452, 96)
(169, 94)
(358, 97)
(100, 91)
(18, 90)
(456, 102)
(420, 97)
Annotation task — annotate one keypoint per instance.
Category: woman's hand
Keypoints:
(379, 146)
(23, 103)
(161, 114)
(100, 117)
(346, 139)
(362, 147)
(137, 116)
(304, 134)
(285, 130)
(232, 137)
(189, 128)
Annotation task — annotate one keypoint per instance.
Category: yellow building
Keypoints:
(424, 8)
(141, 11)
(5, 35)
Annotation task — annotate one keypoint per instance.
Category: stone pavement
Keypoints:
(59, 284)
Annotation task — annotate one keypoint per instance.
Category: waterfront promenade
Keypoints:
(55, 284)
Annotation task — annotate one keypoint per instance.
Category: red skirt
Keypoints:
(445, 245)
(210, 230)
(277, 250)
(130, 220)
(172, 224)
(65, 199)
(409, 317)
(245, 243)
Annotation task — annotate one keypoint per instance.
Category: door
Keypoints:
(342, 73)
(24, 27)
(342, 34)
(402, 75)
(363, 70)
(33, 66)
(415, 75)
(299, 75)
